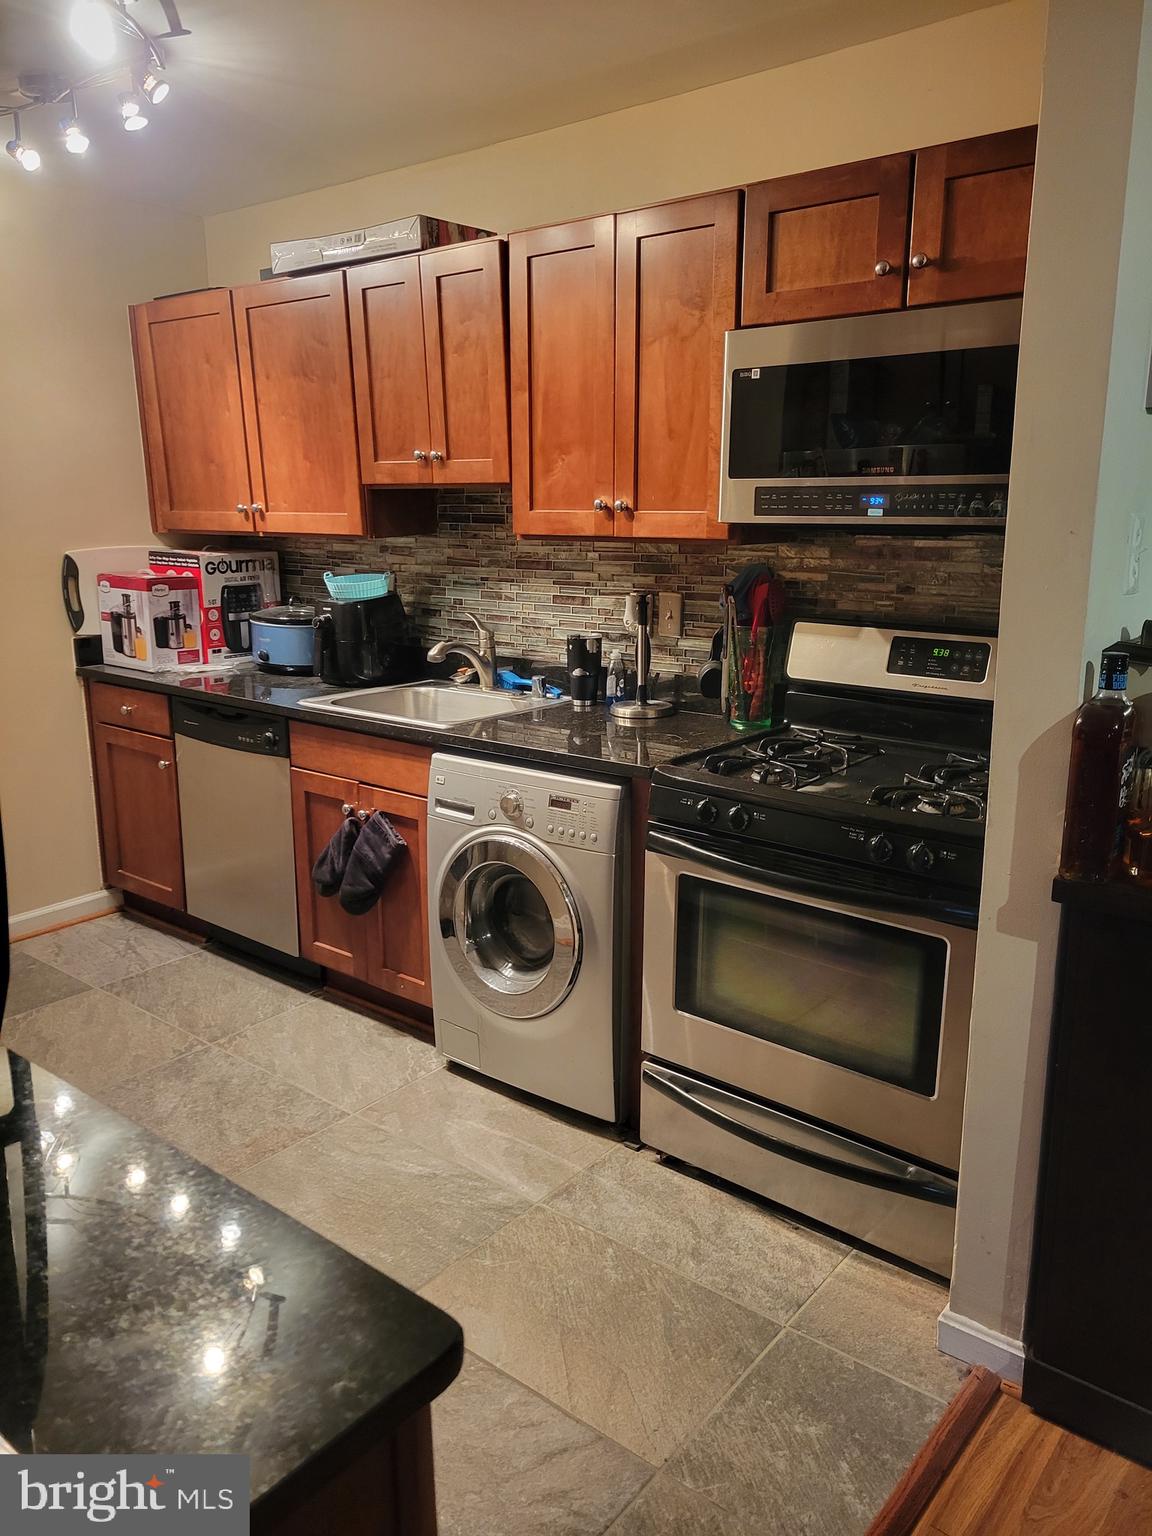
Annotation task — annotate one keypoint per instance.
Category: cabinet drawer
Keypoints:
(132, 708)
(400, 765)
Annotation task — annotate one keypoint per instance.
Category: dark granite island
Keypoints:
(148, 1305)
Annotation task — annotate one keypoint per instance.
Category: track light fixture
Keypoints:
(75, 139)
(155, 88)
(27, 158)
(131, 111)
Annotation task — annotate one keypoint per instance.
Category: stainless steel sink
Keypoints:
(436, 706)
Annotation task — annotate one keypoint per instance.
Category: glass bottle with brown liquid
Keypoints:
(1100, 776)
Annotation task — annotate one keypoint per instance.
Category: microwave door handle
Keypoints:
(889, 1173)
(836, 891)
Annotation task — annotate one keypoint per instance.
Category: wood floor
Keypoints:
(1019, 1475)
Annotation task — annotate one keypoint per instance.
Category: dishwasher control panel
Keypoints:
(241, 730)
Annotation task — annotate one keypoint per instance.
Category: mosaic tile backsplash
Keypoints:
(533, 592)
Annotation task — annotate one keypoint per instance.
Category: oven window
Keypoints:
(920, 413)
(862, 995)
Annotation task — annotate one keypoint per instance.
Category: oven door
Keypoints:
(844, 1003)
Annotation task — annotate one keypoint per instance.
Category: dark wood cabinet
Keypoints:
(675, 298)
(299, 411)
(139, 813)
(561, 301)
(429, 351)
(944, 224)
(617, 343)
(971, 206)
(1088, 1361)
(827, 242)
(329, 936)
(188, 379)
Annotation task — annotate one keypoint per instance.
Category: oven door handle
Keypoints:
(882, 1171)
(836, 891)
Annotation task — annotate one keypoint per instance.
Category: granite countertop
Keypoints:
(591, 739)
(148, 1305)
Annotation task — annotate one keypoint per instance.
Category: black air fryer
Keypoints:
(364, 642)
(239, 600)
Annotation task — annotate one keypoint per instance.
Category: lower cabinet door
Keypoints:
(398, 953)
(329, 936)
(139, 814)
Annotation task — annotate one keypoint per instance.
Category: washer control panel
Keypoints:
(554, 814)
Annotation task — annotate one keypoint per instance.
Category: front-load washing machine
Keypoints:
(527, 896)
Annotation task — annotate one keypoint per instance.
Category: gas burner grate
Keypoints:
(928, 797)
(802, 756)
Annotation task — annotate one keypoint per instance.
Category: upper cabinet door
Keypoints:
(676, 268)
(296, 378)
(467, 352)
(970, 214)
(191, 413)
(388, 361)
(561, 313)
(826, 243)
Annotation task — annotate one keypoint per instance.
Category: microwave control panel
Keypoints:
(872, 503)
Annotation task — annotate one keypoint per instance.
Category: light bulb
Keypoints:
(92, 25)
(134, 124)
(27, 158)
(75, 139)
(129, 104)
(154, 88)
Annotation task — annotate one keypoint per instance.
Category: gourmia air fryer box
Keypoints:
(232, 585)
(149, 622)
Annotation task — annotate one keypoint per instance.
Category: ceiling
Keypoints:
(275, 97)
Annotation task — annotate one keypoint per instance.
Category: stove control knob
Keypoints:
(920, 857)
(707, 811)
(738, 818)
(511, 803)
(880, 850)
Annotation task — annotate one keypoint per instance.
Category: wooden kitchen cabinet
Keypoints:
(827, 242)
(299, 411)
(430, 361)
(970, 213)
(617, 341)
(191, 413)
(388, 946)
(139, 813)
(944, 224)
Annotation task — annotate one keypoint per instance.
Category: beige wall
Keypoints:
(71, 475)
(1082, 463)
(975, 73)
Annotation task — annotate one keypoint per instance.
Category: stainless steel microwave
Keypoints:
(903, 418)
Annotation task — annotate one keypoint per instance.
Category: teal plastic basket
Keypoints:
(352, 589)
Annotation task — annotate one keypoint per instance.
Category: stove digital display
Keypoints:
(918, 656)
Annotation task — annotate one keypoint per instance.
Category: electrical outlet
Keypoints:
(670, 614)
(1135, 552)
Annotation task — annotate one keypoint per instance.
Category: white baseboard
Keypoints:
(60, 913)
(970, 1341)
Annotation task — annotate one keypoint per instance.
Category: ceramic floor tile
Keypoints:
(385, 1198)
(667, 1508)
(887, 1318)
(526, 1148)
(711, 1235)
(220, 1109)
(348, 1058)
(509, 1463)
(209, 994)
(32, 983)
(809, 1444)
(93, 1039)
(107, 949)
(633, 1348)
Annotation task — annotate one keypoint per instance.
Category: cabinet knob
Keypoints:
(419, 455)
(346, 810)
(126, 709)
(363, 815)
(600, 505)
(437, 458)
(163, 762)
(258, 509)
(622, 506)
(882, 268)
(242, 508)
(920, 261)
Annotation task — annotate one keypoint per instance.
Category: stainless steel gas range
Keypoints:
(811, 904)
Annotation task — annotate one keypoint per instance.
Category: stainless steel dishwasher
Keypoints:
(236, 821)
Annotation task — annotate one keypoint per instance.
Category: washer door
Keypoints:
(509, 926)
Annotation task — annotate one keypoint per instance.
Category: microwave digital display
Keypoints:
(938, 414)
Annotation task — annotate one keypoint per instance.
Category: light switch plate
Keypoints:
(670, 614)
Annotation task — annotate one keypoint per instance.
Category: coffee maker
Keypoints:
(364, 642)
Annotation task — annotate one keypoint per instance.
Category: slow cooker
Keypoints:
(284, 639)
